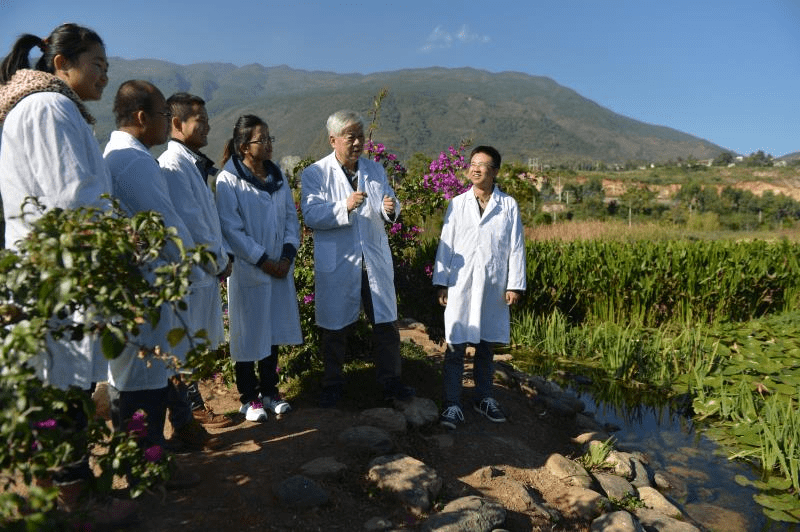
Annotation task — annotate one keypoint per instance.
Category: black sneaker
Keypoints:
(395, 390)
(490, 408)
(330, 396)
(451, 417)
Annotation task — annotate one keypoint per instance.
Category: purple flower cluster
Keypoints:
(154, 453)
(377, 152)
(308, 299)
(429, 270)
(443, 177)
(138, 425)
(46, 424)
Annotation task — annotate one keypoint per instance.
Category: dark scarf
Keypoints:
(203, 163)
(274, 179)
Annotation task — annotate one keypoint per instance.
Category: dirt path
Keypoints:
(236, 492)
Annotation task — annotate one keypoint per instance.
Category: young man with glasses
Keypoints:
(480, 272)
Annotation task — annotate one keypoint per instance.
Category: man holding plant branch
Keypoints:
(480, 272)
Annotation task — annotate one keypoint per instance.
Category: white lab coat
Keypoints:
(262, 309)
(49, 151)
(194, 203)
(140, 186)
(341, 239)
(479, 259)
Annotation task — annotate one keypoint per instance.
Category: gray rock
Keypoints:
(587, 422)
(412, 482)
(615, 487)
(518, 498)
(377, 524)
(584, 503)
(653, 499)
(569, 472)
(323, 466)
(419, 411)
(641, 475)
(654, 521)
(616, 522)
(300, 492)
(467, 514)
(662, 481)
(588, 437)
(384, 418)
(621, 463)
(557, 406)
(367, 438)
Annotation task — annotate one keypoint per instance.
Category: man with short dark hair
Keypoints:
(347, 200)
(480, 272)
(186, 170)
(143, 118)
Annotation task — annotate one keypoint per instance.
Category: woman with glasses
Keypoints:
(259, 221)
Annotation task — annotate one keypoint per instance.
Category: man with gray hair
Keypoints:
(346, 201)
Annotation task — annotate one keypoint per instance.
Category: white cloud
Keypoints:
(441, 38)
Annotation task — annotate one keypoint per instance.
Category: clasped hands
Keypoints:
(276, 268)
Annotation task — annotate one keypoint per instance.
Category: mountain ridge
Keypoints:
(426, 110)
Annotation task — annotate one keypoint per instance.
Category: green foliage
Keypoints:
(79, 272)
(656, 282)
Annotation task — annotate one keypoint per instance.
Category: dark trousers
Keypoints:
(266, 382)
(179, 403)
(482, 372)
(385, 343)
(152, 402)
(78, 470)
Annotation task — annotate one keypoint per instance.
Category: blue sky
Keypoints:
(724, 70)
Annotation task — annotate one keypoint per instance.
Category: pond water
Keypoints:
(701, 476)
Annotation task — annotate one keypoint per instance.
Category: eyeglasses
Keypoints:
(351, 139)
(165, 114)
(263, 140)
(482, 165)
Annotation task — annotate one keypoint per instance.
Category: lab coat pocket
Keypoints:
(248, 274)
(325, 256)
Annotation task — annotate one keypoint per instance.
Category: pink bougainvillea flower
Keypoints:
(46, 424)
(154, 453)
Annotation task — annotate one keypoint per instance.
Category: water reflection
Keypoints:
(702, 478)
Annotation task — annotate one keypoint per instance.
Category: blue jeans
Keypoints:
(483, 372)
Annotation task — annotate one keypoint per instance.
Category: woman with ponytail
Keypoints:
(259, 221)
(48, 151)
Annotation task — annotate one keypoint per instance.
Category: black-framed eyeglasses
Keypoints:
(263, 140)
(165, 114)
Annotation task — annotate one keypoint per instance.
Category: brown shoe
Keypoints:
(192, 437)
(208, 418)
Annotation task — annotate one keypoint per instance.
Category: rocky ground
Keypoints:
(307, 470)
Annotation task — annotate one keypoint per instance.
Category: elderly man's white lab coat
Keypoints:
(194, 203)
(49, 151)
(262, 309)
(341, 239)
(479, 259)
(140, 186)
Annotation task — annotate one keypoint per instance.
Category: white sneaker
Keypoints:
(253, 411)
(276, 404)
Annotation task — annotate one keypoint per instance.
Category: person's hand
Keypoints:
(283, 268)
(441, 295)
(388, 205)
(227, 272)
(270, 267)
(512, 298)
(355, 200)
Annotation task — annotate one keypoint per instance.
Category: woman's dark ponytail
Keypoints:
(69, 40)
(242, 132)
